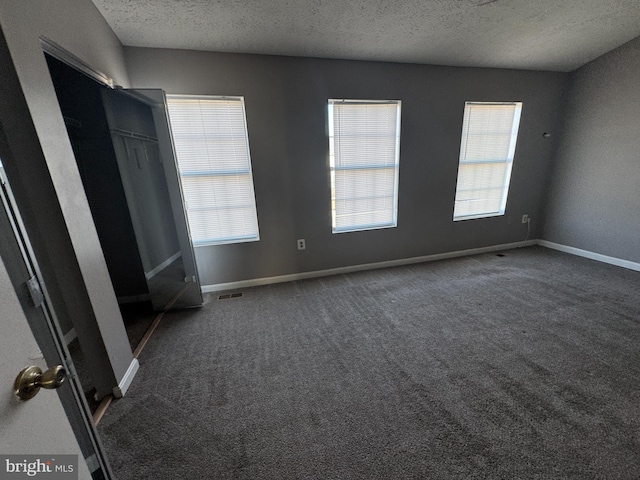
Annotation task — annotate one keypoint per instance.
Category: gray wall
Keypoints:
(594, 194)
(44, 174)
(286, 103)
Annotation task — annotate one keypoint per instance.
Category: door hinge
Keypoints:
(71, 368)
(92, 463)
(36, 292)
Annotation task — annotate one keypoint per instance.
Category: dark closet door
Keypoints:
(143, 147)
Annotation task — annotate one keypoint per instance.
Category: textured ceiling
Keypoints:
(556, 35)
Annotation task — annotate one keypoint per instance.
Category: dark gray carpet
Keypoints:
(521, 366)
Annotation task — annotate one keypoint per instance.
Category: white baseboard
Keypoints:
(125, 383)
(591, 255)
(152, 273)
(358, 268)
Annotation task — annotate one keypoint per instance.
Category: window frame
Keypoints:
(358, 227)
(507, 161)
(204, 241)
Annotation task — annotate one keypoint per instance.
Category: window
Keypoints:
(489, 132)
(364, 151)
(212, 149)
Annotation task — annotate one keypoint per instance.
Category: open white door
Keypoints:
(52, 423)
(37, 426)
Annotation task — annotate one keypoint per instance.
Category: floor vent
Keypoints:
(229, 295)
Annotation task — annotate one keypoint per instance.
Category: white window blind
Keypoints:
(212, 149)
(489, 133)
(364, 153)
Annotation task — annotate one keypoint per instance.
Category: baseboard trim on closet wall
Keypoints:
(358, 268)
(591, 255)
(149, 275)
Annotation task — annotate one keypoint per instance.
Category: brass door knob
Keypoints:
(31, 379)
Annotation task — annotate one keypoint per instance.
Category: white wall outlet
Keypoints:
(301, 244)
(525, 218)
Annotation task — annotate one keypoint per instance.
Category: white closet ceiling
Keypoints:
(559, 35)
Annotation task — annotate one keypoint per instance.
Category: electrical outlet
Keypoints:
(301, 244)
(525, 218)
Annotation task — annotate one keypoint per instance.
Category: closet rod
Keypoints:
(139, 136)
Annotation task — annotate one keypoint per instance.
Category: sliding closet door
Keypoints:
(145, 158)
